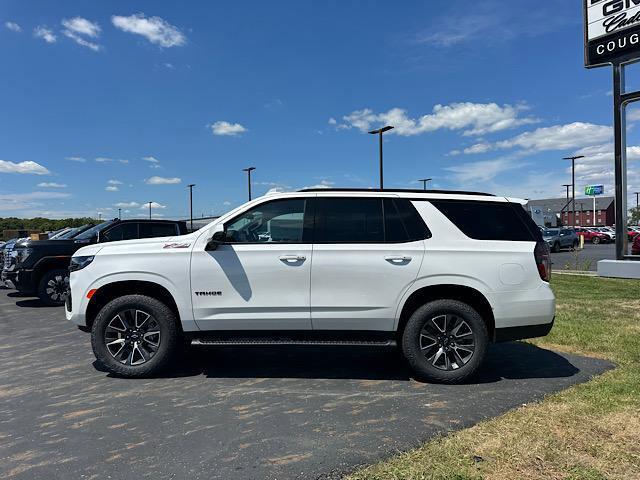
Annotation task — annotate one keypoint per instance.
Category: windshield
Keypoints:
(71, 233)
(550, 233)
(89, 234)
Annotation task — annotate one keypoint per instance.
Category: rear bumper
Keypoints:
(520, 333)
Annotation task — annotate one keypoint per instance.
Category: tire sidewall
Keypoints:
(411, 341)
(42, 286)
(168, 335)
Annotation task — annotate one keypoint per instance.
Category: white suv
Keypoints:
(441, 274)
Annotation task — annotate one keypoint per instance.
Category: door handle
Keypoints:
(398, 259)
(293, 258)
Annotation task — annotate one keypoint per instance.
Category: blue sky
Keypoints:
(114, 104)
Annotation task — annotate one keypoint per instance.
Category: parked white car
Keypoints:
(440, 274)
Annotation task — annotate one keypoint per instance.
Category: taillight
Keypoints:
(543, 260)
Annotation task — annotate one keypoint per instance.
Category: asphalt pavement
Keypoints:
(236, 413)
(586, 259)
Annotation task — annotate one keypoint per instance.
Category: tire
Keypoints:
(421, 328)
(595, 240)
(53, 287)
(556, 247)
(142, 334)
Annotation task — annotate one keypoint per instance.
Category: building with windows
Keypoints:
(556, 211)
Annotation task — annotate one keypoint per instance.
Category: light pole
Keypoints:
(190, 187)
(249, 170)
(573, 183)
(120, 214)
(637, 200)
(99, 216)
(149, 209)
(424, 182)
(379, 132)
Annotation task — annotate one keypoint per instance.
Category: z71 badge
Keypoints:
(176, 245)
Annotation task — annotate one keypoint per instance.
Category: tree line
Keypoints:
(41, 224)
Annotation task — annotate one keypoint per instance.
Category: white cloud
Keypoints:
(481, 171)
(322, 184)
(22, 201)
(151, 159)
(76, 159)
(226, 203)
(127, 205)
(114, 182)
(154, 29)
(155, 180)
(123, 161)
(26, 167)
(82, 26)
(45, 34)
(560, 137)
(472, 118)
(13, 26)
(154, 206)
(81, 41)
(51, 185)
(333, 121)
(111, 188)
(103, 159)
(225, 128)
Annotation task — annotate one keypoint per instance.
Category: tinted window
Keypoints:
(280, 221)
(411, 220)
(123, 231)
(349, 220)
(150, 230)
(488, 220)
(90, 233)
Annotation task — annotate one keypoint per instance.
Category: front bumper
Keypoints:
(24, 281)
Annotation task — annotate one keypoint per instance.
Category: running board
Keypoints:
(310, 339)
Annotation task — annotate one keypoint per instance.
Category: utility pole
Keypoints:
(424, 182)
(379, 132)
(190, 187)
(150, 210)
(249, 170)
(573, 183)
(119, 214)
(637, 200)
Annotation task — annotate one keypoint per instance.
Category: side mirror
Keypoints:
(218, 238)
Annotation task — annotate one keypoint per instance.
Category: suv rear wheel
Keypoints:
(445, 341)
(595, 240)
(134, 336)
(53, 287)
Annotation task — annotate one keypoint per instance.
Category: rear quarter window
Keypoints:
(490, 220)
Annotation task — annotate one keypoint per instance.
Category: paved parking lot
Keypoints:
(245, 413)
(586, 259)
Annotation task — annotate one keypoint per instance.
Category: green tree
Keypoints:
(634, 216)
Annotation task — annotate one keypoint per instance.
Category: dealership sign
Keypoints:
(612, 31)
(593, 190)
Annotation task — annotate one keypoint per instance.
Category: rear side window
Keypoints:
(402, 222)
(489, 220)
(349, 220)
(150, 230)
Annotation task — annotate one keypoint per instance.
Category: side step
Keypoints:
(368, 339)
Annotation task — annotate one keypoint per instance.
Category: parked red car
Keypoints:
(633, 234)
(592, 236)
(635, 248)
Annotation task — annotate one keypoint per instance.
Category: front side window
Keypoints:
(151, 230)
(280, 221)
(123, 231)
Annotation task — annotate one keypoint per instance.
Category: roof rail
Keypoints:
(396, 190)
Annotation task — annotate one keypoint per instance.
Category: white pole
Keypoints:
(594, 210)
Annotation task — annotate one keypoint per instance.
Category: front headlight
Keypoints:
(21, 254)
(78, 263)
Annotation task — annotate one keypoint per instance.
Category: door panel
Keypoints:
(260, 280)
(259, 290)
(358, 287)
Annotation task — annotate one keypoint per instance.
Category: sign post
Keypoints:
(594, 191)
(612, 37)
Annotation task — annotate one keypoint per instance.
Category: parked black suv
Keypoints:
(42, 267)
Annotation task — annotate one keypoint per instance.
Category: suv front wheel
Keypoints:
(134, 336)
(445, 341)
